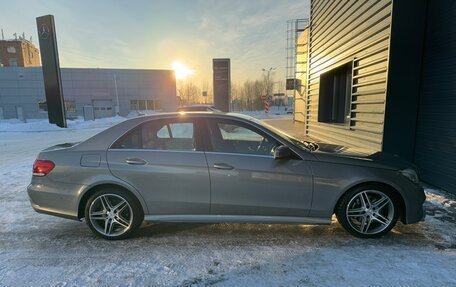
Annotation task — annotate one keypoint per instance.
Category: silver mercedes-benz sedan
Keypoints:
(216, 167)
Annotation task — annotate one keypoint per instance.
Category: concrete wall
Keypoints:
(24, 87)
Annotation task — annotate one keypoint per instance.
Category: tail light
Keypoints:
(42, 167)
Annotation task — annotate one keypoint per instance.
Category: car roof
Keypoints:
(208, 114)
(197, 106)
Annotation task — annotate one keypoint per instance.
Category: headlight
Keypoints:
(410, 174)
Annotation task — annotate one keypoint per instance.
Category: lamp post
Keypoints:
(117, 95)
(268, 71)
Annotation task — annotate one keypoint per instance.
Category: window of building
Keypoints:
(150, 105)
(157, 105)
(11, 50)
(12, 62)
(335, 95)
(42, 106)
(142, 105)
(70, 106)
(133, 105)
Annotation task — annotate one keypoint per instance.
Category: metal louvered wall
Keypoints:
(435, 150)
(356, 32)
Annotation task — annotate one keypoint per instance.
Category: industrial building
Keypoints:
(18, 53)
(381, 75)
(99, 91)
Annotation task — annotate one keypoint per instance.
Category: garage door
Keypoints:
(102, 108)
(435, 152)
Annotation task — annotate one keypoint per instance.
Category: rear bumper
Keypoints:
(53, 212)
(59, 200)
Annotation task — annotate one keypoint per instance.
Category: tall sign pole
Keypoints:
(222, 83)
(51, 70)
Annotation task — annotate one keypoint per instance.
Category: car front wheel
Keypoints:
(368, 212)
(113, 214)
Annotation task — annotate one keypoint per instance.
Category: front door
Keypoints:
(247, 180)
(161, 159)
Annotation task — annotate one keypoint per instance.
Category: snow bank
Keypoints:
(43, 125)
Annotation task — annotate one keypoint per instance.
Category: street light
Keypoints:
(117, 95)
(267, 79)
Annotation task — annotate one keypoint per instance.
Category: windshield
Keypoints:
(302, 144)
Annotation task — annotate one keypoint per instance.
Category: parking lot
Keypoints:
(41, 250)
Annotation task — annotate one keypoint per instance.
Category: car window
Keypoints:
(163, 132)
(231, 137)
(159, 135)
(168, 136)
(181, 130)
(131, 140)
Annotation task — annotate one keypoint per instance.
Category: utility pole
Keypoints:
(117, 95)
(267, 79)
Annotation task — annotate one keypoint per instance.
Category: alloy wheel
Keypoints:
(370, 212)
(111, 215)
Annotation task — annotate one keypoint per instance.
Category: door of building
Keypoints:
(102, 108)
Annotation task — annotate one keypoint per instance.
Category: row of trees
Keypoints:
(244, 96)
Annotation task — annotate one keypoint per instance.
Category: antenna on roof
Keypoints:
(3, 36)
(15, 36)
(23, 35)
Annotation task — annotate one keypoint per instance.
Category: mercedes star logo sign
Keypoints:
(44, 31)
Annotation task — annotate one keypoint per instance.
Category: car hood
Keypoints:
(358, 156)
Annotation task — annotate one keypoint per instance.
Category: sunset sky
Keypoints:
(155, 34)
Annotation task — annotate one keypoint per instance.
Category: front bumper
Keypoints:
(414, 206)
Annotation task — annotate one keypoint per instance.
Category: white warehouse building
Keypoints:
(22, 94)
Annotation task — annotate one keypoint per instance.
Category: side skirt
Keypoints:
(237, 218)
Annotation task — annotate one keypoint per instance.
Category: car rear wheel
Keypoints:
(368, 212)
(113, 214)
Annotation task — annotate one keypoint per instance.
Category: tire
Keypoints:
(368, 211)
(113, 214)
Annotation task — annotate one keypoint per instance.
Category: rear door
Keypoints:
(245, 177)
(163, 160)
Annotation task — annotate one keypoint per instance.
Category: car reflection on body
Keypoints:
(217, 167)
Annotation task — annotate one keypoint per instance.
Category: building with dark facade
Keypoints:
(22, 92)
(381, 75)
(18, 53)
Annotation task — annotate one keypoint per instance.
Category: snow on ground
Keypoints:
(274, 113)
(41, 250)
(42, 125)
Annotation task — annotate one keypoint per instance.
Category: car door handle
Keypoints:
(223, 166)
(135, 161)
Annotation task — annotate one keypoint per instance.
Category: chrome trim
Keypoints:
(157, 150)
(241, 154)
(237, 218)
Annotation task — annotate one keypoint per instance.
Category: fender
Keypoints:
(104, 179)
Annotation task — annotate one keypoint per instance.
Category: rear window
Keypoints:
(159, 135)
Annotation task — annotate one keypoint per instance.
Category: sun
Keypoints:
(181, 70)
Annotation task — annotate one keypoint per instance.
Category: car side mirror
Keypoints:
(282, 152)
